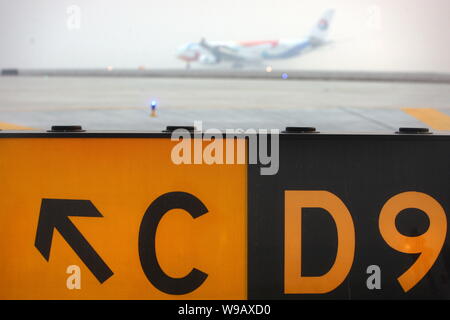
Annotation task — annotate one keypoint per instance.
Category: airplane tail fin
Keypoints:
(320, 30)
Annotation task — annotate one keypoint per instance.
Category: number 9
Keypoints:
(428, 244)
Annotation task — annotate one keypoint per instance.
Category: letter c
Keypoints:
(147, 248)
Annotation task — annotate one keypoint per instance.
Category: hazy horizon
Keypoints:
(368, 35)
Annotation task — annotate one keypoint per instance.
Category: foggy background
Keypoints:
(383, 35)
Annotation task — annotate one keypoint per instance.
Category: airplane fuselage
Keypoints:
(256, 52)
(251, 51)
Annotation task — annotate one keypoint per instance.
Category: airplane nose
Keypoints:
(188, 56)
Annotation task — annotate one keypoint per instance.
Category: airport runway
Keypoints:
(122, 103)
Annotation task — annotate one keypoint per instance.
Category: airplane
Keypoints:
(240, 54)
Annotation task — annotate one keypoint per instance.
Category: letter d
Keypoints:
(295, 201)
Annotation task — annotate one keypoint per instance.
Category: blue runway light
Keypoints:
(284, 75)
(153, 105)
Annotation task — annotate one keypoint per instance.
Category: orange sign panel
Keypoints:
(115, 218)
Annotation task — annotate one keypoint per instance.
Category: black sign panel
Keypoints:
(351, 217)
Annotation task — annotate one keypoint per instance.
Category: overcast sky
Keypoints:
(390, 35)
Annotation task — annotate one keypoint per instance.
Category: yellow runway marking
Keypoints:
(431, 117)
(10, 126)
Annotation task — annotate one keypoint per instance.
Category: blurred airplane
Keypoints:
(240, 54)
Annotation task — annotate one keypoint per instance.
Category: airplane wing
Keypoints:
(222, 52)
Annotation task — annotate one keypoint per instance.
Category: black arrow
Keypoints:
(54, 215)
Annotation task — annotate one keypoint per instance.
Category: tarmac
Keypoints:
(99, 102)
